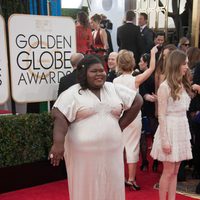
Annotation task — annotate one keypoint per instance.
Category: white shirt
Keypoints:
(142, 27)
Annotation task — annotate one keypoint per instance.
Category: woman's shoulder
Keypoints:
(164, 83)
(115, 79)
(164, 86)
(75, 87)
(109, 84)
(72, 90)
(112, 86)
(126, 77)
(102, 31)
(115, 87)
(88, 29)
(79, 26)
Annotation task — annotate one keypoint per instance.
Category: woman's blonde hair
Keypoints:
(182, 41)
(173, 74)
(125, 61)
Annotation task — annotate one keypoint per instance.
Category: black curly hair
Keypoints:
(82, 68)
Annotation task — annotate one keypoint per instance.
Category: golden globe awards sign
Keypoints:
(4, 79)
(40, 50)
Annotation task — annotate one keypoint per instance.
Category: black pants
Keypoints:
(149, 125)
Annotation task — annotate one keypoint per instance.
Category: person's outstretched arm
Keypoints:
(146, 74)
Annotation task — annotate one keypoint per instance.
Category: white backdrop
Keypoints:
(4, 79)
(142, 6)
(40, 49)
(114, 10)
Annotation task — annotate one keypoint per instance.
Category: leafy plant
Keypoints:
(24, 138)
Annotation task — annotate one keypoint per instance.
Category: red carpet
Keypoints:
(58, 190)
(5, 112)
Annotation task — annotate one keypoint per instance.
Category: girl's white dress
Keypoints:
(173, 127)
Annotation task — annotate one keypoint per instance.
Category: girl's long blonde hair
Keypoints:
(173, 74)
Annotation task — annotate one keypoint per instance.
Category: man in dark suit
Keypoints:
(70, 79)
(146, 33)
(129, 37)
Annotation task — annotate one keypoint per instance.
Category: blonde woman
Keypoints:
(131, 136)
(184, 44)
(172, 139)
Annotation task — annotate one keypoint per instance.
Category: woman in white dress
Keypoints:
(172, 139)
(132, 134)
(89, 112)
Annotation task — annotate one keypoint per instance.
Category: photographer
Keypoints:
(107, 25)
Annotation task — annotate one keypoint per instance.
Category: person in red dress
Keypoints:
(99, 35)
(100, 41)
(83, 33)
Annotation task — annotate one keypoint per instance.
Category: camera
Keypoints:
(106, 24)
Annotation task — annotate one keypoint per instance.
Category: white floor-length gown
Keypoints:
(93, 145)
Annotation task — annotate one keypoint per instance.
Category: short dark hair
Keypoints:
(82, 68)
(160, 33)
(130, 15)
(144, 15)
(146, 58)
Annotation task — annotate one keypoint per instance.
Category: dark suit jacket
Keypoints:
(67, 81)
(148, 87)
(109, 41)
(147, 39)
(129, 37)
(111, 76)
(195, 102)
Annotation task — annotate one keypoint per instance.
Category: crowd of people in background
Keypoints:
(95, 112)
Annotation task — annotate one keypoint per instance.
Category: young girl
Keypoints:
(161, 67)
(132, 134)
(172, 139)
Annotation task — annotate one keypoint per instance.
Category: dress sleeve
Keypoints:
(125, 94)
(67, 105)
(163, 95)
